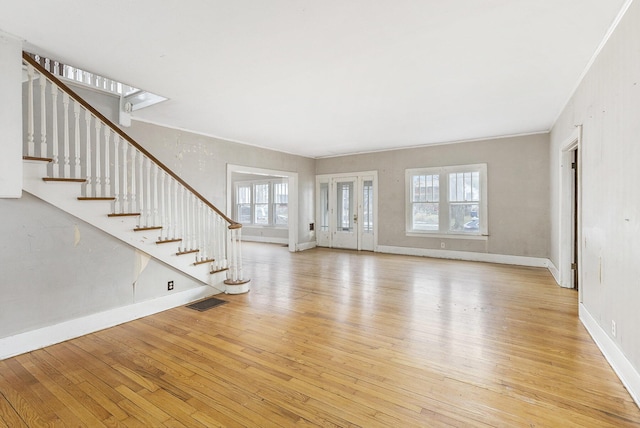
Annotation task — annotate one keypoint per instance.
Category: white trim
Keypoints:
(628, 375)
(50, 335)
(554, 271)
(306, 246)
(565, 243)
(466, 255)
(217, 137)
(595, 55)
(437, 143)
(265, 239)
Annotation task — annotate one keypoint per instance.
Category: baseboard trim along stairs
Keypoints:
(50, 335)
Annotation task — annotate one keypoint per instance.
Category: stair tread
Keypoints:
(65, 180)
(96, 198)
(201, 262)
(180, 253)
(140, 229)
(36, 158)
(167, 241)
(219, 270)
(123, 214)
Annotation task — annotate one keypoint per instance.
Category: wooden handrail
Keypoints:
(96, 113)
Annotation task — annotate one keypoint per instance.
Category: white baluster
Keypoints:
(232, 274)
(76, 117)
(149, 202)
(202, 243)
(54, 130)
(240, 274)
(155, 219)
(203, 232)
(31, 147)
(43, 117)
(134, 207)
(197, 237)
(116, 174)
(169, 220)
(173, 196)
(98, 174)
(66, 143)
(107, 161)
(183, 230)
(141, 205)
(185, 221)
(217, 253)
(163, 207)
(125, 188)
(192, 220)
(89, 185)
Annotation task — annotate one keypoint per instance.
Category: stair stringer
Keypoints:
(64, 195)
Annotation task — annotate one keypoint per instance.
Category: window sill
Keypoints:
(473, 237)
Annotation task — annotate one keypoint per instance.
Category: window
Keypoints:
(281, 203)
(262, 203)
(447, 200)
(243, 204)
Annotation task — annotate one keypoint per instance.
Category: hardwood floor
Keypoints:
(336, 338)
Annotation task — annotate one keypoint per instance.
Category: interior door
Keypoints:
(344, 221)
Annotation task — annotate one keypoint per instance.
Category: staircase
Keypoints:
(79, 161)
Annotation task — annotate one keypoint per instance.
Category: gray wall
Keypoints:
(57, 268)
(607, 105)
(518, 187)
(202, 162)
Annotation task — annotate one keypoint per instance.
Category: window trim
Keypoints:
(443, 202)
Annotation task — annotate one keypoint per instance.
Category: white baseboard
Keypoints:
(555, 272)
(50, 335)
(306, 246)
(265, 239)
(466, 255)
(619, 363)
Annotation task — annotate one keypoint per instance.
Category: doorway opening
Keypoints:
(570, 261)
(290, 178)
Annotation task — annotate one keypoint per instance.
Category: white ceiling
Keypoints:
(320, 78)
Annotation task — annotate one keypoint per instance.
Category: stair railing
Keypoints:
(83, 145)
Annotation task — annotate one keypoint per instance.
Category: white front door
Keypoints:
(345, 211)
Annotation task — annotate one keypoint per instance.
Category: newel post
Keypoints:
(235, 282)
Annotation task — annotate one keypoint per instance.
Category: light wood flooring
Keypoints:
(336, 338)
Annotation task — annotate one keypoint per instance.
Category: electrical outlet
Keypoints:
(170, 285)
(312, 226)
(614, 330)
(442, 245)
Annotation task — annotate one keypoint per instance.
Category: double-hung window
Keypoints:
(262, 203)
(449, 200)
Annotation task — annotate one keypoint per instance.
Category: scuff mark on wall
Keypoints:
(142, 260)
(76, 235)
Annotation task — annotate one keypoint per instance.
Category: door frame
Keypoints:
(360, 175)
(292, 179)
(567, 190)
